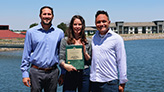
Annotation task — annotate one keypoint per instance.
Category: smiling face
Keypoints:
(46, 16)
(102, 24)
(77, 26)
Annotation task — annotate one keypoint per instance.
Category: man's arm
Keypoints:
(25, 60)
(121, 60)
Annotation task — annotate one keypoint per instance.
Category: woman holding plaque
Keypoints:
(75, 76)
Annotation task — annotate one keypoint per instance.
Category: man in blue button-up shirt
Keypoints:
(108, 57)
(40, 55)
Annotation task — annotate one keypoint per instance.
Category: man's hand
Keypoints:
(26, 82)
(121, 87)
(61, 79)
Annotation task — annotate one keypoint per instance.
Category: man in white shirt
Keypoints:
(108, 55)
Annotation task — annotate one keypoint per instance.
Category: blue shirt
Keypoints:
(108, 55)
(41, 48)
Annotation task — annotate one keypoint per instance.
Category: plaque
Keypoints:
(74, 56)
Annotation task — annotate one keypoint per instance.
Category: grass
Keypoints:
(125, 37)
(12, 41)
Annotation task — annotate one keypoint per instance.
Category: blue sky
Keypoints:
(20, 14)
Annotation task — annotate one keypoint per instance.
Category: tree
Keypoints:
(32, 25)
(62, 26)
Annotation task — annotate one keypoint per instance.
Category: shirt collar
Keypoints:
(40, 27)
(109, 32)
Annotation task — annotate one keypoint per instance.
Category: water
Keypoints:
(10, 74)
(145, 60)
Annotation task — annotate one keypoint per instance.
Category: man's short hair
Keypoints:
(101, 12)
(48, 8)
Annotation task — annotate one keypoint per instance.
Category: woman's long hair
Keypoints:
(70, 32)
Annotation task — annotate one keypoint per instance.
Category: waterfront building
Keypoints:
(90, 30)
(122, 27)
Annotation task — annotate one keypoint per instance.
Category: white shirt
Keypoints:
(108, 55)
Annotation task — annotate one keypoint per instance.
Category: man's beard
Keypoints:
(49, 23)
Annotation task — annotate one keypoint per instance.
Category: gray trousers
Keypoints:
(46, 80)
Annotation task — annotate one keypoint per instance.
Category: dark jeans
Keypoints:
(46, 80)
(77, 79)
(111, 86)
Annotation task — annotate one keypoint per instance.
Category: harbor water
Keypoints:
(145, 63)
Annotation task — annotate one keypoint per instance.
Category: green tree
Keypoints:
(62, 26)
(32, 25)
(11, 30)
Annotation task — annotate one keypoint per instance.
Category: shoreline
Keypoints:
(10, 49)
(126, 37)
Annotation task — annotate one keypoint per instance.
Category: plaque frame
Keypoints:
(75, 56)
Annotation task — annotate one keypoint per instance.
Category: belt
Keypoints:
(45, 69)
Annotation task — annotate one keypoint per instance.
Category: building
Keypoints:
(122, 27)
(5, 33)
(90, 30)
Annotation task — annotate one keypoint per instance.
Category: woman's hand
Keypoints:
(68, 67)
